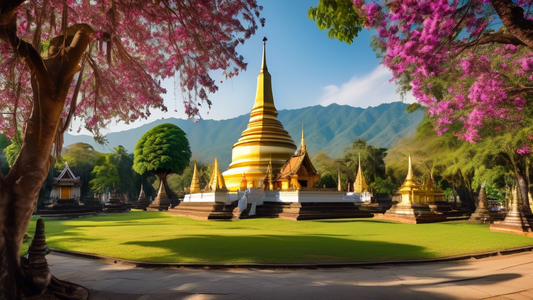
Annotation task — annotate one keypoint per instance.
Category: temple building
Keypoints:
(264, 142)
(66, 186)
(298, 172)
(268, 175)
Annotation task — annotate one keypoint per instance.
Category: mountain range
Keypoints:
(331, 129)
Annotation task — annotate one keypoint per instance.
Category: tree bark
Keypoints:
(19, 189)
(512, 17)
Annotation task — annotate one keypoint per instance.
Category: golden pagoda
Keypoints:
(263, 140)
(195, 183)
(360, 186)
(409, 188)
(217, 180)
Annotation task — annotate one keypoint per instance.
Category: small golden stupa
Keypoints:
(409, 188)
(195, 183)
(264, 141)
(217, 180)
(360, 186)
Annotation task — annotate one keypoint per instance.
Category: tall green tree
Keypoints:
(106, 175)
(163, 150)
(372, 161)
(124, 164)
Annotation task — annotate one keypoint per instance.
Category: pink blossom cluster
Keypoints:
(465, 86)
(135, 45)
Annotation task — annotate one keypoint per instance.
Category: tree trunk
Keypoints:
(19, 190)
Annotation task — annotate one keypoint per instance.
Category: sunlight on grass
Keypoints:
(160, 237)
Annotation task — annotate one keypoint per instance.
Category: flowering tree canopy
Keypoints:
(470, 62)
(132, 46)
(96, 60)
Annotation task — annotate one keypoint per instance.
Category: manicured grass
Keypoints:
(160, 237)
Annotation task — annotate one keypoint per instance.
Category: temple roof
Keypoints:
(67, 175)
(293, 165)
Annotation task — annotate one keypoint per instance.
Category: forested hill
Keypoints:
(331, 129)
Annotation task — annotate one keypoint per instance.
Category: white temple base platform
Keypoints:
(290, 205)
(218, 196)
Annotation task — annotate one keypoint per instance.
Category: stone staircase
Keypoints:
(204, 210)
(311, 211)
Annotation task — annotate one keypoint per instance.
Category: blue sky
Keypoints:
(307, 68)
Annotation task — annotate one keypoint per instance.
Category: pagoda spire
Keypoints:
(217, 181)
(303, 149)
(264, 63)
(195, 183)
(264, 99)
(359, 185)
(410, 170)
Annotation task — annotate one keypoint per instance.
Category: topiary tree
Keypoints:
(162, 150)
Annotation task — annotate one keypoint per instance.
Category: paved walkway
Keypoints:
(500, 277)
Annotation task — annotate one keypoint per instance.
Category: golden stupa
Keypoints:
(409, 189)
(263, 140)
(360, 186)
(195, 182)
(217, 181)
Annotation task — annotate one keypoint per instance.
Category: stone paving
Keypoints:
(498, 277)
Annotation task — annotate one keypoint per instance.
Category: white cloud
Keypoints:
(370, 90)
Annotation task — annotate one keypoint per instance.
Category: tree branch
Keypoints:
(497, 37)
(512, 17)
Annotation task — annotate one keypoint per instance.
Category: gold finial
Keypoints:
(264, 65)
(303, 149)
(410, 170)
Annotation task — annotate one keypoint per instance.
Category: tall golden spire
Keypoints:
(217, 181)
(359, 185)
(264, 100)
(303, 149)
(410, 170)
(409, 182)
(195, 183)
(264, 138)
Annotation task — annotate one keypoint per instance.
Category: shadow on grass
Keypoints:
(275, 249)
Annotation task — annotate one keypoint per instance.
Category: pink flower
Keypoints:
(523, 150)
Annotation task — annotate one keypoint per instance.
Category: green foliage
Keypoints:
(339, 17)
(12, 152)
(124, 164)
(327, 180)
(383, 187)
(372, 161)
(178, 183)
(160, 237)
(105, 174)
(163, 149)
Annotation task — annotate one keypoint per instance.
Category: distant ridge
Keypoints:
(331, 129)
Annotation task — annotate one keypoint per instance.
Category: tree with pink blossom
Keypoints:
(97, 61)
(469, 62)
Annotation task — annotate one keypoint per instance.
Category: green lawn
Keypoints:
(160, 237)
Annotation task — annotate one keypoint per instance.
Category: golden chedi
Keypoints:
(360, 186)
(263, 140)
